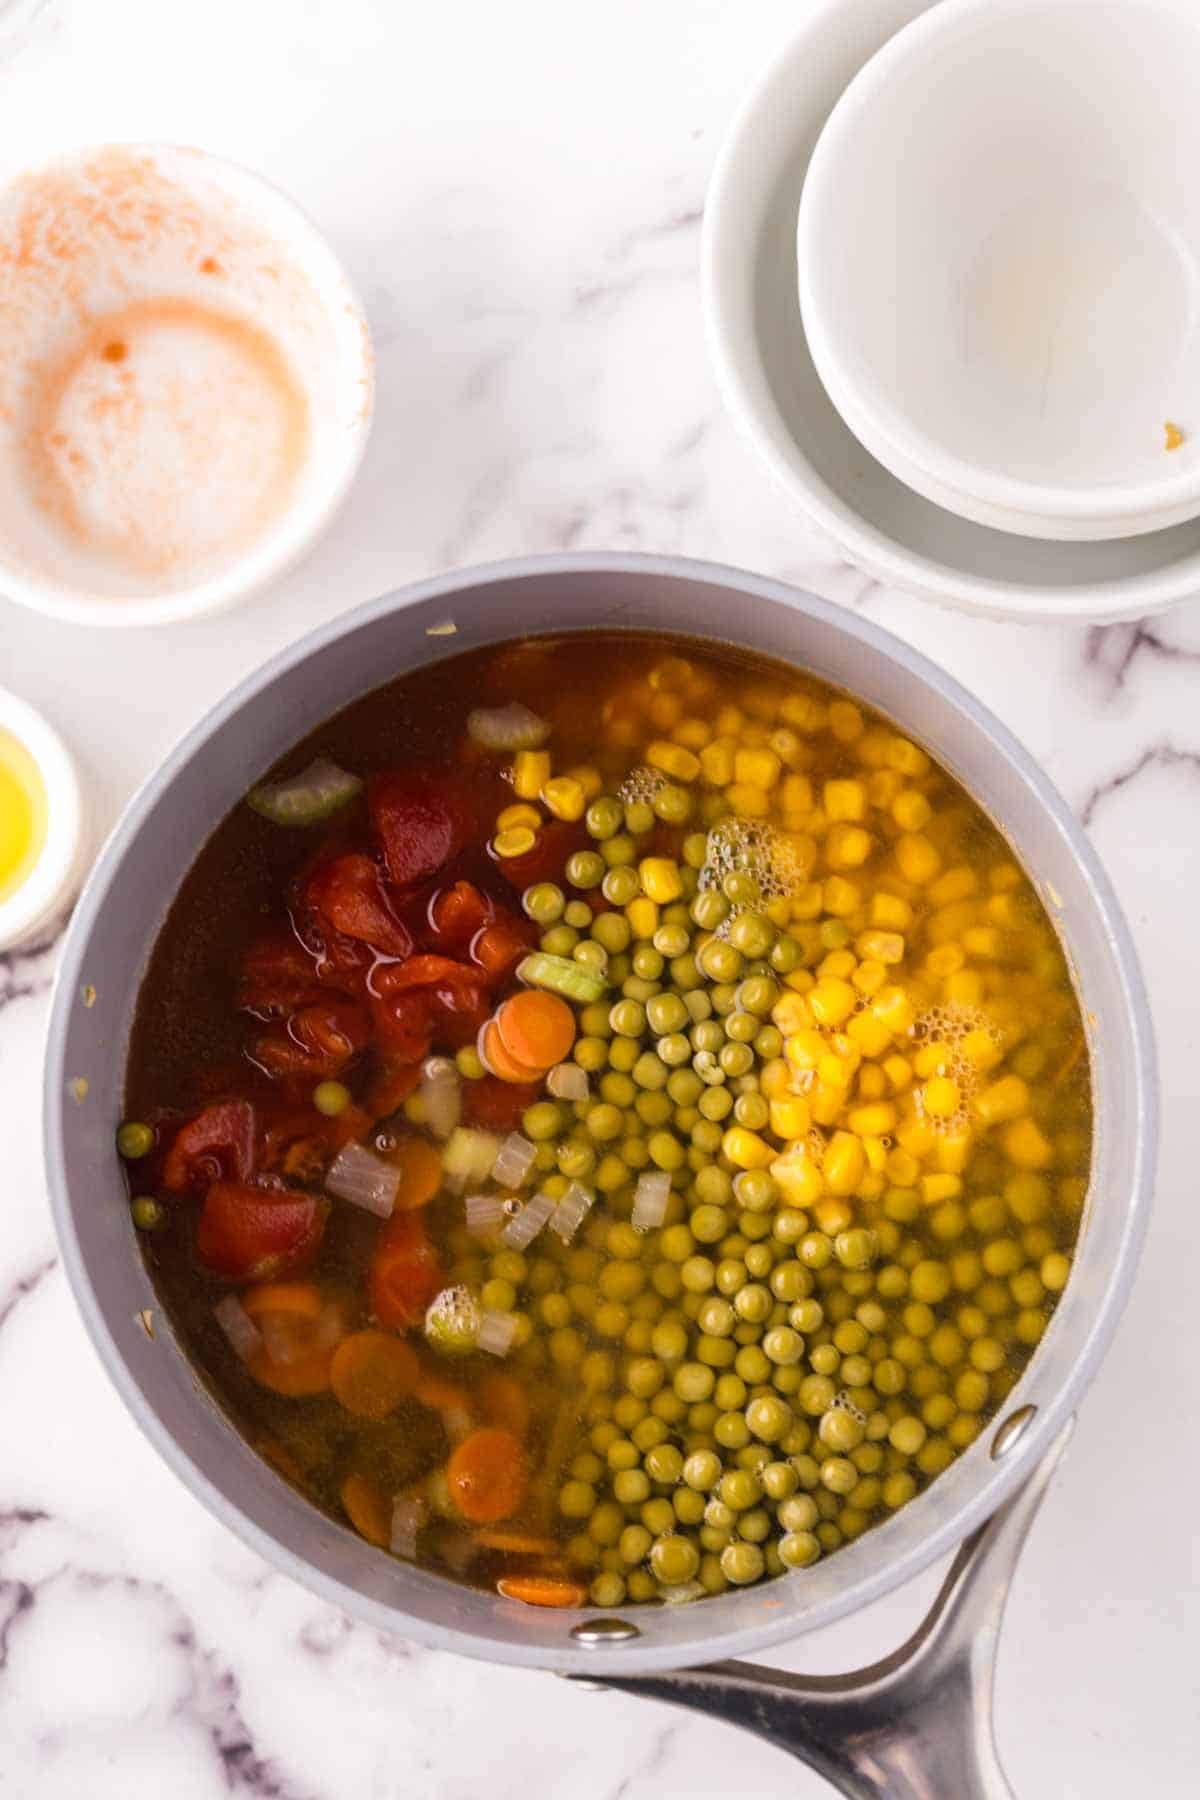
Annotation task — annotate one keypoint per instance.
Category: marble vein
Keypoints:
(1158, 756)
(1113, 650)
(20, 1289)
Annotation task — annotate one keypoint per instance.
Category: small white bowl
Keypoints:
(766, 375)
(186, 385)
(56, 875)
(999, 260)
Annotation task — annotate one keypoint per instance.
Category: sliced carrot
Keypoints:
(541, 1590)
(299, 1299)
(367, 1510)
(306, 1375)
(535, 1028)
(516, 1543)
(501, 1063)
(420, 1173)
(487, 1475)
(372, 1372)
(439, 1394)
(503, 1401)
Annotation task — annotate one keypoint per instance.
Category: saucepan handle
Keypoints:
(918, 1724)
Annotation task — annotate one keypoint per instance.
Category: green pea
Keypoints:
(799, 1549)
(709, 909)
(717, 1352)
(752, 1303)
(634, 1544)
(329, 1098)
(685, 975)
(621, 885)
(653, 1109)
(542, 1120)
(619, 851)
(672, 940)
(740, 1026)
(611, 931)
(628, 1018)
(753, 934)
(855, 1249)
(702, 1470)
(617, 1089)
(544, 902)
(688, 1506)
(720, 961)
(768, 1418)
(752, 1111)
(735, 1059)
(666, 1152)
(649, 1432)
(623, 1052)
(693, 1381)
(631, 1487)
(647, 966)
(604, 816)
(578, 915)
(786, 954)
(666, 1013)
(147, 1214)
(604, 1122)
(839, 1475)
(664, 1463)
(757, 995)
(740, 1489)
(768, 1043)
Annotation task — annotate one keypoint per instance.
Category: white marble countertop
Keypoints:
(517, 190)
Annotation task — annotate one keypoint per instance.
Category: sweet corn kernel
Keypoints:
(872, 1082)
(1005, 910)
(806, 901)
(869, 977)
(791, 1013)
(643, 916)
(848, 846)
(674, 760)
(955, 884)
(883, 787)
(890, 913)
(964, 988)
(564, 797)
(664, 711)
(1027, 1145)
(729, 721)
(799, 981)
(899, 1072)
(983, 941)
(776, 1079)
(790, 1116)
(660, 879)
(840, 963)
(800, 1180)
(833, 1072)
(906, 757)
(826, 1099)
(831, 1216)
(531, 772)
(844, 800)
(845, 721)
(750, 802)
(911, 810)
(1006, 1099)
(869, 1033)
(876, 1154)
(916, 858)
(589, 779)
(915, 1136)
(981, 1049)
(796, 794)
(895, 1009)
(844, 1163)
(791, 752)
(840, 898)
(941, 1097)
(932, 1058)
(952, 1151)
(947, 959)
(881, 946)
(871, 1186)
(746, 1148)
(693, 734)
(804, 711)
(939, 1187)
(873, 1121)
(513, 816)
(832, 1001)
(949, 922)
(756, 768)
(716, 762)
(514, 842)
(779, 911)
(902, 1168)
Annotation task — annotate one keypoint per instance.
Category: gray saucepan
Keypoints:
(917, 1724)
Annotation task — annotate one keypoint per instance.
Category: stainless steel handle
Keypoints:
(918, 1724)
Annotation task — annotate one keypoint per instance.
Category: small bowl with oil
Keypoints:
(186, 385)
(42, 843)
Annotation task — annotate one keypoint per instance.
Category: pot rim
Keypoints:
(867, 1577)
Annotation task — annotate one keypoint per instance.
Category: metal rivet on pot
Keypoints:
(1012, 1431)
(597, 1632)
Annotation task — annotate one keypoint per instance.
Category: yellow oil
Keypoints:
(23, 813)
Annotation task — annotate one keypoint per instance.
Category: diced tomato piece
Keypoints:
(455, 915)
(405, 1273)
(217, 1145)
(348, 894)
(423, 818)
(389, 1089)
(495, 1105)
(427, 971)
(252, 1234)
(319, 1041)
(300, 1142)
(458, 1014)
(278, 975)
(547, 860)
(403, 1024)
(499, 947)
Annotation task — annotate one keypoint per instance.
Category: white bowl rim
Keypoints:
(256, 570)
(1135, 504)
(50, 882)
(751, 404)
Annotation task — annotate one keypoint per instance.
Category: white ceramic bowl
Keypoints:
(766, 374)
(55, 877)
(186, 385)
(999, 259)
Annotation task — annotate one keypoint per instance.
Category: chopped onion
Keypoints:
(238, 1327)
(567, 1081)
(571, 1211)
(514, 1161)
(452, 1321)
(485, 1213)
(511, 727)
(457, 1422)
(521, 1230)
(283, 1343)
(364, 1179)
(678, 1593)
(441, 1095)
(458, 1550)
(408, 1516)
(496, 1332)
(650, 1198)
(307, 798)
(468, 1156)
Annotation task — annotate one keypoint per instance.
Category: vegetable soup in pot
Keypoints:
(609, 1118)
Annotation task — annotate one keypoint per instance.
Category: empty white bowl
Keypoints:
(185, 385)
(765, 372)
(999, 258)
